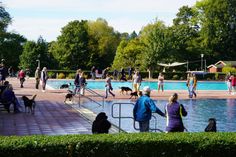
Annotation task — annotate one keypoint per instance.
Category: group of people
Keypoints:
(142, 112)
(231, 83)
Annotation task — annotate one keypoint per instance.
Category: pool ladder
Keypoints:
(119, 117)
(89, 97)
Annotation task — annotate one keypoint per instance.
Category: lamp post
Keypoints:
(38, 62)
(202, 55)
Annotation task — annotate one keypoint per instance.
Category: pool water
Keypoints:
(199, 111)
(202, 85)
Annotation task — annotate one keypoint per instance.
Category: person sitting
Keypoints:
(101, 125)
(211, 127)
(8, 97)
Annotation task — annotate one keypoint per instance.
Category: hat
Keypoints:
(146, 89)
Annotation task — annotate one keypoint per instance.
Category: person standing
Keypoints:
(228, 82)
(130, 73)
(123, 77)
(160, 82)
(21, 76)
(233, 83)
(143, 109)
(136, 81)
(191, 84)
(44, 78)
(93, 72)
(37, 77)
(108, 86)
(174, 112)
(3, 73)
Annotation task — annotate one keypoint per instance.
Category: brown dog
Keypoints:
(136, 94)
(29, 103)
(125, 89)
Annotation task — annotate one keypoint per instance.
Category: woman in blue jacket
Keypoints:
(174, 113)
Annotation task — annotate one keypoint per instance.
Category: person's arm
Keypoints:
(154, 108)
(183, 112)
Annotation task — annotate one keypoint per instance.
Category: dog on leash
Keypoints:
(63, 86)
(29, 104)
(135, 94)
(125, 89)
(69, 95)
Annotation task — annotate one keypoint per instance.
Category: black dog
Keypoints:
(125, 89)
(136, 94)
(101, 125)
(65, 86)
(69, 95)
(211, 127)
(29, 103)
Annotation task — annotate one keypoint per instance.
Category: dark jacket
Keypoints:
(101, 124)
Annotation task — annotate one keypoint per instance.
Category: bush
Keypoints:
(61, 76)
(71, 76)
(121, 145)
(175, 77)
(51, 74)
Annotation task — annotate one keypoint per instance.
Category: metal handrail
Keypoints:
(92, 92)
(120, 117)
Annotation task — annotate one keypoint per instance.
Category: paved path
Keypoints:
(52, 116)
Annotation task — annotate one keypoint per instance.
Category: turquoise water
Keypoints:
(199, 111)
(202, 85)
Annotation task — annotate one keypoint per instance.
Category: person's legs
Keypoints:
(144, 126)
(37, 83)
(106, 92)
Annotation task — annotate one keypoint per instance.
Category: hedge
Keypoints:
(121, 145)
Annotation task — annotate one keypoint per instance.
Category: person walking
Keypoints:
(37, 77)
(44, 78)
(228, 82)
(76, 81)
(21, 76)
(82, 83)
(143, 109)
(174, 112)
(160, 82)
(108, 86)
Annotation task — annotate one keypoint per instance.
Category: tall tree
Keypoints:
(71, 48)
(103, 43)
(218, 27)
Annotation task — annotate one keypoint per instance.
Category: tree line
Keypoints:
(208, 27)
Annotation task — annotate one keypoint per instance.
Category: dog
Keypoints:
(211, 127)
(29, 103)
(125, 89)
(136, 94)
(101, 125)
(69, 95)
(63, 86)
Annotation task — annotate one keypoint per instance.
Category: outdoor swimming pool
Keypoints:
(202, 85)
(199, 111)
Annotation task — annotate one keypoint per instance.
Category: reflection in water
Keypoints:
(199, 111)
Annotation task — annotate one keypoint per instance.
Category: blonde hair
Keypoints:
(173, 98)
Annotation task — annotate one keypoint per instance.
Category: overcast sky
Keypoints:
(33, 18)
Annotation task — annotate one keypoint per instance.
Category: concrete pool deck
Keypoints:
(53, 117)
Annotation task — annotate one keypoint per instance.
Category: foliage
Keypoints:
(228, 69)
(71, 76)
(120, 145)
(33, 51)
(61, 76)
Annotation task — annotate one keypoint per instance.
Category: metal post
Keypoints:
(205, 65)
(202, 55)
(119, 117)
(187, 66)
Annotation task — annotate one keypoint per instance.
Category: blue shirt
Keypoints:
(143, 109)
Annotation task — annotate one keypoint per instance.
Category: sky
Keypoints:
(32, 18)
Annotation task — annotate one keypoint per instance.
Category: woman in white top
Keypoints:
(160, 82)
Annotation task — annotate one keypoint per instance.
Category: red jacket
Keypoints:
(233, 81)
(21, 74)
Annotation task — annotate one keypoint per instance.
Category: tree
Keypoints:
(33, 51)
(128, 54)
(71, 48)
(218, 28)
(103, 43)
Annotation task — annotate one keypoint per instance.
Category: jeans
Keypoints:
(144, 126)
(108, 90)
